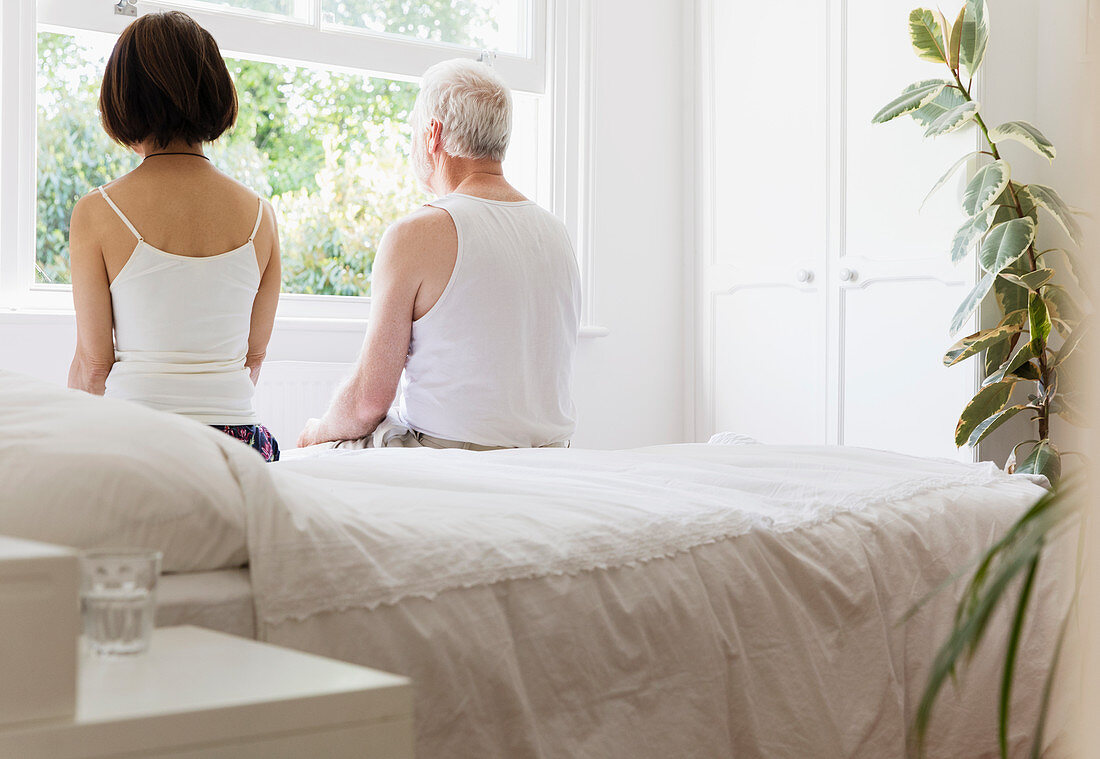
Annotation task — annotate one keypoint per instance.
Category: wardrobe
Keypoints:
(822, 291)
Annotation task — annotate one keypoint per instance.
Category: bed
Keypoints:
(687, 601)
(219, 599)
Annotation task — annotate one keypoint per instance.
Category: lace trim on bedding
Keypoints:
(298, 600)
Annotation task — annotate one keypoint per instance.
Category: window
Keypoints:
(325, 89)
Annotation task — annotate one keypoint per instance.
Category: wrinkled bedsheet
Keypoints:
(680, 601)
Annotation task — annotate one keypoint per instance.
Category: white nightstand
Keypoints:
(202, 694)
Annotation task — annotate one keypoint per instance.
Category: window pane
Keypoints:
(74, 154)
(331, 150)
(295, 9)
(521, 165)
(500, 25)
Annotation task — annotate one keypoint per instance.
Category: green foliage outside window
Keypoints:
(331, 150)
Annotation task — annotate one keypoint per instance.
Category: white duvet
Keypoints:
(361, 528)
(682, 601)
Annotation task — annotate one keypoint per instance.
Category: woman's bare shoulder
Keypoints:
(89, 210)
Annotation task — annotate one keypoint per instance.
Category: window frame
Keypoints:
(557, 67)
(295, 42)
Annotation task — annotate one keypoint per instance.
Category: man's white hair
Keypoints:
(473, 105)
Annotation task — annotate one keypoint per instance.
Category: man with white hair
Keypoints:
(475, 297)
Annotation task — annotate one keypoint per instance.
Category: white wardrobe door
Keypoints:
(897, 287)
(897, 393)
(763, 301)
(771, 387)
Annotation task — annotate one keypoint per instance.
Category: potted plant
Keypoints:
(1033, 344)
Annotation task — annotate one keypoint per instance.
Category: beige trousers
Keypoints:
(414, 439)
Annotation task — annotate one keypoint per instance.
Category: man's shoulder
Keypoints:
(425, 238)
(425, 226)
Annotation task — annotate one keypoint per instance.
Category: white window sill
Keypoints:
(295, 323)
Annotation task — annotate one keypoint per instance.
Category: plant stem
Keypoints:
(1044, 369)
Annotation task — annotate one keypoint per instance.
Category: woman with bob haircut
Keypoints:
(175, 266)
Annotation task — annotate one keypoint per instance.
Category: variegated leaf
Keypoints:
(1061, 305)
(1006, 203)
(996, 355)
(985, 187)
(989, 400)
(982, 430)
(926, 35)
(1070, 266)
(972, 345)
(1027, 371)
(1025, 133)
(1005, 243)
(950, 97)
(971, 303)
(1014, 318)
(1013, 278)
(947, 176)
(1038, 321)
(1035, 279)
(1010, 299)
(970, 232)
(910, 99)
(955, 119)
(1024, 355)
(955, 40)
(1044, 459)
(1069, 406)
(945, 34)
(974, 36)
(1021, 193)
(1071, 343)
(1048, 198)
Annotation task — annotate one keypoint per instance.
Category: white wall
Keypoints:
(629, 385)
(1036, 70)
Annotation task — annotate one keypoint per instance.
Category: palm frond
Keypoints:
(1015, 557)
(1014, 635)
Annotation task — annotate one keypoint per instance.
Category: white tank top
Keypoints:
(492, 361)
(181, 330)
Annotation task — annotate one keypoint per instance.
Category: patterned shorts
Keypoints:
(255, 435)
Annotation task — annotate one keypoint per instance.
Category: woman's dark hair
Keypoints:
(166, 80)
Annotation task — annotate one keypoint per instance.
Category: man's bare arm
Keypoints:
(362, 401)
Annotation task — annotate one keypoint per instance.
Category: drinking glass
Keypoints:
(118, 599)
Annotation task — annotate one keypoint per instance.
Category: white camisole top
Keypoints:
(181, 330)
(492, 361)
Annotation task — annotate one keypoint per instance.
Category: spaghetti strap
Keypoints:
(259, 218)
(121, 215)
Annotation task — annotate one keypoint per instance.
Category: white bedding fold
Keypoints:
(363, 528)
(92, 472)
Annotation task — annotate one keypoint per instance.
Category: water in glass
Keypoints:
(118, 600)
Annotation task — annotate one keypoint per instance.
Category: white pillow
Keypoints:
(91, 472)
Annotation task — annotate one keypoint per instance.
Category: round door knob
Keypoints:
(804, 275)
(847, 275)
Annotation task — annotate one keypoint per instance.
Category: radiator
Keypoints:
(290, 392)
